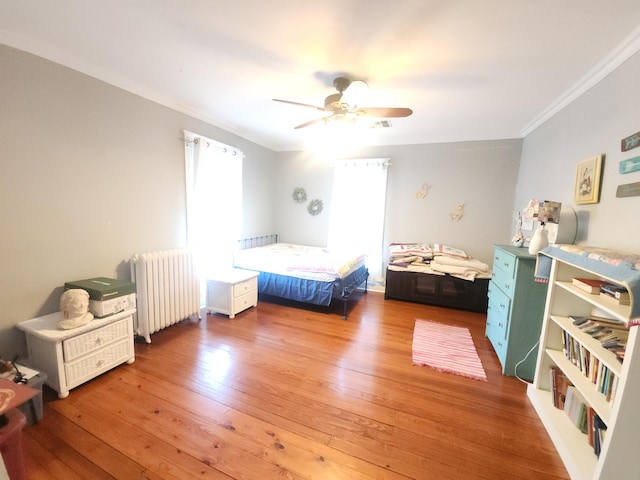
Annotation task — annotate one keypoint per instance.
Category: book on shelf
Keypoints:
(599, 431)
(576, 408)
(612, 322)
(559, 384)
(589, 285)
(617, 292)
(578, 320)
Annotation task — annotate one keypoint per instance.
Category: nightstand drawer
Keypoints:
(504, 262)
(82, 344)
(245, 287)
(245, 301)
(102, 360)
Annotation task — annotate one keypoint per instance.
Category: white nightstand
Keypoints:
(232, 291)
(72, 357)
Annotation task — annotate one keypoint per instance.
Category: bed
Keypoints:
(303, 274)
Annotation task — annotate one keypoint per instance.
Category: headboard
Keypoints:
(261, 241)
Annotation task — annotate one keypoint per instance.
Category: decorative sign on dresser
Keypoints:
(516, 307)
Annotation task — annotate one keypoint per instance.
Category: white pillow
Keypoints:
(439, 249)
(410, 249)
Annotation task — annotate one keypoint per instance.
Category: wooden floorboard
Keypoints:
(282, 392)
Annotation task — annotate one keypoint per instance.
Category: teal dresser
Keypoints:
(516, 307)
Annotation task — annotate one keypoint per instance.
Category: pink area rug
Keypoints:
(447, 349)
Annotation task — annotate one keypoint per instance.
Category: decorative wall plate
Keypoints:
(299, 195)
(315, 207)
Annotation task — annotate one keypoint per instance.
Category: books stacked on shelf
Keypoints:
(617, 292)
(611, 333)
(597, 287)
(589, 285)
(585, 419)
(576, 408)
(591, 366)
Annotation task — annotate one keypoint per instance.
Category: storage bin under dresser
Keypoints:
(72, 357)
(515, 311)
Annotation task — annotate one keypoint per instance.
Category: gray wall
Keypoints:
(593, 124)
(481, 175)
(92, 174)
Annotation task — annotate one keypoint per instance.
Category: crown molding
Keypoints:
(629, 46)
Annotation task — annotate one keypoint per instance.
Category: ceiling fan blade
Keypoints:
(381, 112)
(306, 124)
(299, 104)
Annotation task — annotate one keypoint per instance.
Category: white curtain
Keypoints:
(214, 201)
(357, 210)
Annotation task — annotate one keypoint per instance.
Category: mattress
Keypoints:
(300, 261)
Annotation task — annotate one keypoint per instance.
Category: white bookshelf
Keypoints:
(618, 457)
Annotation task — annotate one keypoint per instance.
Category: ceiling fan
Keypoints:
(343, 106)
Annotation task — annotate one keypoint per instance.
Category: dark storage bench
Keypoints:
(438, 290)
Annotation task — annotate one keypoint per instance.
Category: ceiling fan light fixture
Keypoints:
(345, 107)
(355, 94)
(341, 119)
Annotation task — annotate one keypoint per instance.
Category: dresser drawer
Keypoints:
(497, 329)
(504, 281)
(100, 361)
(504, 262)
(88, 342)
(498, 312)
(500, 346)
(245, 287)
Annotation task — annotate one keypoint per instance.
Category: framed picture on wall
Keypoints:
(587, 186)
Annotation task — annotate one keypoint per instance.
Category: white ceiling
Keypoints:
(470, 69)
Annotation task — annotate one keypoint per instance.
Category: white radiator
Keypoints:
(167, 287)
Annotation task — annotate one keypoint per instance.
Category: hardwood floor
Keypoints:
(281, 392)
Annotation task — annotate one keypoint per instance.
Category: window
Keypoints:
(357, 210)
(214, 201)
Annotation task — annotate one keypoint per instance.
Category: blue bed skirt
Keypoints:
(310, 291)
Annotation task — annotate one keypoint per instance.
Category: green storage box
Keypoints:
(107, 296)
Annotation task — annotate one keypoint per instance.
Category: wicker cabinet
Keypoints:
(72, 357)
(516, 306)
